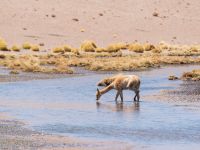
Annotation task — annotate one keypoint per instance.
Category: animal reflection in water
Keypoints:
(120, 83)
(135, 107)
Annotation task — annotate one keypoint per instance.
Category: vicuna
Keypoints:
(120, 83)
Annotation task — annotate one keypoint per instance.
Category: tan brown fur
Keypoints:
(120, 83)
(107, 81)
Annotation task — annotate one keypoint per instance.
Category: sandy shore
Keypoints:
(13, 135)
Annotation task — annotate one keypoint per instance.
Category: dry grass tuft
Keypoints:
(112, 48)
(16, 48)
(58, 50)
(136, 47)
(75, 51)
(193, 75)
(67, 48)
(62, 69)
(100, 50)
(148, 47)
(26, 64)
(163, 45)
(3, 45)
(111, 58)
(35, 48)
(26, 45)
(194, 48)
(88, 46)
(157, 49)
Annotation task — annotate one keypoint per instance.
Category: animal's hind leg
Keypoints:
(135, 96)
(121, 95)
(117, 95)
(138, 95)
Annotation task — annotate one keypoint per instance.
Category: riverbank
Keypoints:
(13, 135)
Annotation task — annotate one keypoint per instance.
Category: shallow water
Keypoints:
(67, 106)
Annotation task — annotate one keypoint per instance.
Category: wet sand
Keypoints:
(5, 76)
(13, 135)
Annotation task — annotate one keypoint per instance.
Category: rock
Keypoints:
(172, 78)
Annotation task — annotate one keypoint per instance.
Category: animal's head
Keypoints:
(105, 82)
(98, 94)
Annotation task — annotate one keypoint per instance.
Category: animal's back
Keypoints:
(127, 82)
(134, 82)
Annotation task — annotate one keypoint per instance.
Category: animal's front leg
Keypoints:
(117, 95)
(121, 95)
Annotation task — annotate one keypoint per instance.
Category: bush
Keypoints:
(157, 50)
(16, 48)
(26, 45)
(148, 47)
(75, 51)
(88, 46)
(67, 48)
(58, 50)
(136, 47)
(3, 45)
(164, 45)
(112, 48)
(99, 50)
(35, 48)
(121, 45)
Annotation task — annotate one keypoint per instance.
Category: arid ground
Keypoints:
(105, 21)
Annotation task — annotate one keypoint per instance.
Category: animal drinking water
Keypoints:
(120, 83)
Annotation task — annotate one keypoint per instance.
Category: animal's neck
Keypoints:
(106, 89)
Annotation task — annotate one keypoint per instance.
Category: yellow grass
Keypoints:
(3, 45)
(111, 58)
(26, 45)
(88, 46)
(100, 50)
(35, 48)
(193, 75)
(136, 47)
(157, 49)
(16, 48)
(62, 69)
(148, 47)
(112, 48)
(163, 45)
(58, 50)
(194, 48)
(67, 48)
(75, 51)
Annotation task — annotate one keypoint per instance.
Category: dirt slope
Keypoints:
(104, 21)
